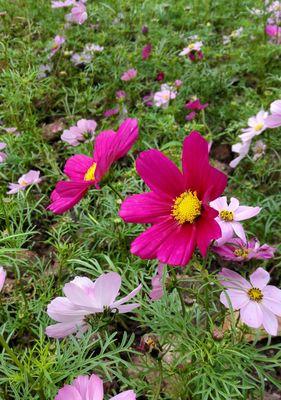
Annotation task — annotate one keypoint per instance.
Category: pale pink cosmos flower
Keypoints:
(78, 13)
(178, 83)
(81, 58)
(93, 48)
(129, 75)
(58, 42)
(157, 284)
(12, 130)
(259, 303)
(163, 97)
(2, 277)
(85, 297)
(32, 177)
(3, 156)
(274, 119)
(76, 134)
(89, 388)
(62, 4)
(242, 149)
(259, 150)
(257, 125)
(230, 216)
(237, 250)
(196, 46)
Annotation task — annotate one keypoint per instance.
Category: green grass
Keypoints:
(237, 80)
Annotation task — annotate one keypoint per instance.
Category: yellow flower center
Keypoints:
(226, 215)
(243, 252)
(90, 174)
(23, 183)
(258, 126)
(166, 96)
(191, 46)
(186, 207)
(255, 294)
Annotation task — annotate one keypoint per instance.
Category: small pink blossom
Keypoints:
(2, 277)
(257, 125)
(85, 297)
(110, 112)
(93, 48)
(230, 216)
(237, 250)
(129, 75)
(78, 13)
(3, 156)
(259, 303)
(89, 388)
(242, 149)
(274, 119)
(157, 284)
(61, 4)
(146, 51)
(120, 94)
(32, 177)
(58, 42)
(76, 134)
(163, 97)
(178, 83)
(274, 31)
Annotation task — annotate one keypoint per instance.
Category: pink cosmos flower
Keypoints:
(78, 13)
(61, 4)
(230, 216)
(2, 277)
(120, 94)
(3, 156)
(129, 75)
(274, 120)
(84, 297)
(32, 177)
(89, 388)
(242, 149)
(274, 31)
(12, 130)
(257, 125)
(163, 97)
(238, 250)
(85, 172)
(146, 51)
(177, 206)
(58, 42)
(258, 302)
(157, 284)
(193, 51)
(178, 83)
(81, 58)
(76, 134)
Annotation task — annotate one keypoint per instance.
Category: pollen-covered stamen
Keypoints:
(243, 252)
(255, 294)
(90, 174)
(186, 207)
(226, 215)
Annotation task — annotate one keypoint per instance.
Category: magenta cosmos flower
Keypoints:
(146, 51)
(32, 177)
(274, 120)
(2, 277)
(258, 302)
(230, 216)
(178, 204)
(89, 388)
(84, 171)
(238, 250)
(84, 297)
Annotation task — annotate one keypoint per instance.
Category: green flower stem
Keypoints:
(115, 191)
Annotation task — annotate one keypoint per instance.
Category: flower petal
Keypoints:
(107, 288)
(270, 321)
(63, 329)
(66, 195)
(239, 230)
(127, 395)
(252, 314)
(220, 203)
(144, 208)
(77, 166)
(62, 310)
(272, 299)
(259, 278)
(233, 205)
(95, 388)
(160, 174)
(233, 280)
(207, 230)
(246, 212)
(237, 298)
(127, 298)
(68, 392)
(81, 384)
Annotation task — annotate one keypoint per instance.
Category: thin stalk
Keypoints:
(175, 281)
(115, 191)
(10, 352)
(159, 386)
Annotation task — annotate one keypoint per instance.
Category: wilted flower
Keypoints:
(258, 302)
(242, 149)
(85, 172)
(146, 51)
(144, 29)
(44, 69)
(257, 125)
(274, 120)
(160, 76)
(32, 177)
(259, 149)
(163, 97)
(237, 250)
(89, 388)
(85, 297)
(58, 42)
(177, 206)
(230, 216)
(157, 284)
(2, 277)
(129, 75)
(3, 156)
